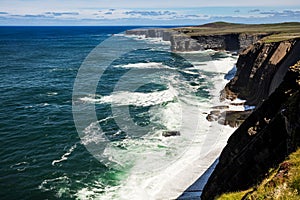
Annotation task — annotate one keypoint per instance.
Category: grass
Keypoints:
(234, 195)
(276, 32)
(281, 37)
(282, 183)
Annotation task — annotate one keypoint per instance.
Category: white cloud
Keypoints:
(34, 6)
(116, 12)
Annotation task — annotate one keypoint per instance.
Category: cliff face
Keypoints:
(271, 132)
(180, 42)
(165, 34)
(260, 70)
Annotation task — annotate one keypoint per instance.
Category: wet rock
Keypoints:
(214, 115)
(231, 118)
(170, 133)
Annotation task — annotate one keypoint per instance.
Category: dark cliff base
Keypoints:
(264, 140)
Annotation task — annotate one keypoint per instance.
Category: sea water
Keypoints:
(61, 140)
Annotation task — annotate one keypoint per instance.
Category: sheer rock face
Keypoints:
(260, 70)
(165, 34)
(181, 42)
(268, 135)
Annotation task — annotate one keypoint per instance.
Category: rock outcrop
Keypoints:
(228, 117)
(170, 133)
(260, 70)
(271, 132)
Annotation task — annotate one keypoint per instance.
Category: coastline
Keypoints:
(263, 45)
(199, 160)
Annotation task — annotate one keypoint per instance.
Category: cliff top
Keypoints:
(277, 32)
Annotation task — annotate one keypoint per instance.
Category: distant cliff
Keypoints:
(180, 42)
(217, 36)
(268, 72)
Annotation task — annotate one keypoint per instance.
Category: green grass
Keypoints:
(277, 32)
(234, 195)
(282, 183)
(281, 37)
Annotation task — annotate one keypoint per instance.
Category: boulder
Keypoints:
(170, 133)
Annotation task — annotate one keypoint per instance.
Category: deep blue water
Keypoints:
(42, 155)
(37, 70)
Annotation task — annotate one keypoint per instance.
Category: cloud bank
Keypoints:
(182, 16)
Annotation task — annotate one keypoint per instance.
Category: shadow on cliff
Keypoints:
(264, 140)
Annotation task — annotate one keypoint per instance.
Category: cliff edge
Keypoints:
(268, 75)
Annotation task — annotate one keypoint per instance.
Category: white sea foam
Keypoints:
(93, 133)
(171, 181)
(65, 155)
(52, 93)
(164, 167)
(217, 66)
(156, 40)
(55, 183)
(151, 65)
(135, 98)
(21, 166)
(208, 52)
(190, 72)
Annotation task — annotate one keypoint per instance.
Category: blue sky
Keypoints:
(139, 12)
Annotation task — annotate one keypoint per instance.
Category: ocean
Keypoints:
(83, 112)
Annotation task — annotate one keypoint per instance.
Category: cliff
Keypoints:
(165, 34)
(280, 183)
(269, 72)
(217, 36)
(262, 66)
(182, 42)
(228, 42)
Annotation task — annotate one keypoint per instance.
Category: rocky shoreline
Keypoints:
(267, 77)
(264, 140)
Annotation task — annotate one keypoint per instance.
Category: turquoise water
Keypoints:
(42, 155)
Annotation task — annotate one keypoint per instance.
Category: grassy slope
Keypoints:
(278, 32)
(281, 183)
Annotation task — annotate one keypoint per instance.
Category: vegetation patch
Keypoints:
(281, 183)
(275, 32)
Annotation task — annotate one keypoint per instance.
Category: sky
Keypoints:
(140, 12)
